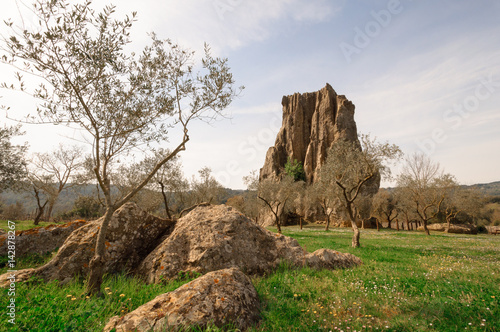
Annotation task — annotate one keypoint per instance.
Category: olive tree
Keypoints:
(57, 171)
(462, 203)
(170, 181)
(206, 188)
(329, 202)
(350, 167)
(277, 195)
(251, 201)
(425, 185)
(385, 206)
(121, 101)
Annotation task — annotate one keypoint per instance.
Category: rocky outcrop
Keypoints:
(40, 240)
(312, 122)
(454, 228)
(217, 298)
(217, 237)
(132, 235)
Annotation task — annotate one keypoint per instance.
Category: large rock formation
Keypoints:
(217, 298)
(217, 237)
(312, 122)
(40, 240)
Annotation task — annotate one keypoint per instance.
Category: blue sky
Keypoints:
(424, 75)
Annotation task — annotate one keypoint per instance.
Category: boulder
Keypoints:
(454, 228)
(462, 229)
(211, 238)
(40, 240)
(132, 235)
(493, 229)
(218, 298)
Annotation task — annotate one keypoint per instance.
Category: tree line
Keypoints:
(347, 189)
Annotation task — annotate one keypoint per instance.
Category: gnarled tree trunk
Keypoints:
(96, 265)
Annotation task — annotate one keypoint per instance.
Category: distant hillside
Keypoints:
(68, 197)
(491, 189)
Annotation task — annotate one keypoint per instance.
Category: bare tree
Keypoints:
(121, 101)
(206, 188)
(278, 195)
(348, 169)
(41, 186)
(423, 182)
(61, 166)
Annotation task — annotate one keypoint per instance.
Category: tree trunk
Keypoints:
(407, 225)
(355, 236)
(97, 262)
(40, 208)
(49, 211)
(397, 225)
(389, 223)
(38, 215)
(327, 223)
(278, 224)
(447, 230)
(300, 222)
(165, 200)
(378, 225)
(425, 228)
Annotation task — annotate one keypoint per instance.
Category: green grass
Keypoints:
(408, 282)
(23, 225)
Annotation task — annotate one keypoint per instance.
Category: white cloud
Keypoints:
(226, 24)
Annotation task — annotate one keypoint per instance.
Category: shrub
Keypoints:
(295, 169)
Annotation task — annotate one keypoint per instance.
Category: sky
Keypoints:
(424, 75)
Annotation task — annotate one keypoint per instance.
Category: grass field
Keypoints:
(408, 282)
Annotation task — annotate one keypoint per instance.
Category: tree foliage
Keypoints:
(277, 195)
(12, 158)
(426, 186)
(206, 188)
(122, 101)
(349, 167)
(385, 206)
